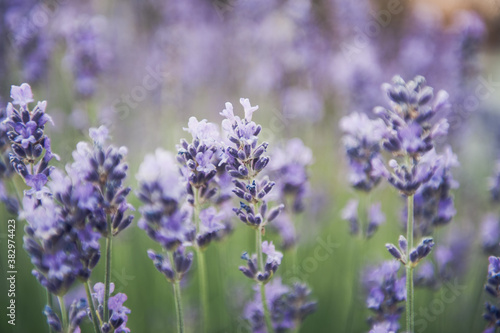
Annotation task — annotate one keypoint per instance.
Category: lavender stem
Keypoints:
(409, 270)
(258, 244)
(202, 274)
(107, 272)
(64, 315)
(95, 318)
(178, 300)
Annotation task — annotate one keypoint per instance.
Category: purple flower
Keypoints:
(490, 234)
(21, 95)
(273, 256)
(103, 167)
(375, 219)
(386, 293)
(434, 205)
(118, 312)
(362, 141)
(288, 167)
(162, 191)
(350, 214)
(272, 263)
(30, 147)
(289, 306)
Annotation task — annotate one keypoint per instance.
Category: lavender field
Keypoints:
(258, 166)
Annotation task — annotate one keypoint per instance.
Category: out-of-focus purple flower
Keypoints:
(161, 189)
(52, 250)
(288, 306)
(285, 227)
(375, 218)
(386, 292)
(362, 139)
(88, 52)
(209, 227)
(118, 313)
(350, 214)
(288, 167)
(76, 314)
(103, 167)
(52, 319)
(494, 184)
(490, 234)
(6, 170)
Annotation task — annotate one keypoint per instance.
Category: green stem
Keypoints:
(50, 304)
(409, 270)
(202, 271)
(178, 306)
(258, 245)
(107, 272)
(95, 318)
(202, 274)
(267, 316)
(63, 314)
(178, 299)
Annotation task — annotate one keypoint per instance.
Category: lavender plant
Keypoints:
(244, 160)
(69, 212)
(410, 135)
(166, 219)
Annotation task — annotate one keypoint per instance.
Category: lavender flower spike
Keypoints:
(31, 149)
(118, 314)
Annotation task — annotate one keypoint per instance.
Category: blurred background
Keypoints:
(143, 67)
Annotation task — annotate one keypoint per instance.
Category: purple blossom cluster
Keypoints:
(386, 292)
(434, 205)
(289, 306)
(492, 311)
(6, 171)
(118, 315)
(410, 256)
(76, 314)
(375, 217)
(30, 146)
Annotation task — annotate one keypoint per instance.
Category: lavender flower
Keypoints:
(494, 183)
(52, 250)
(410, 133)
(118, 313)
(176, 270)
(52, 319)
(200, 158)
(433, 201)
(6, 170)
(490, 234)
(288, 306)
(362, 142)
(161, 189)
(350, 214)
(88, 53)
(375, 218)
(31, 151)
(386, 291)
(410, 256)
(103, 167)
(288, 167)
(244, 160)
(271, 265)
(77, 313)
